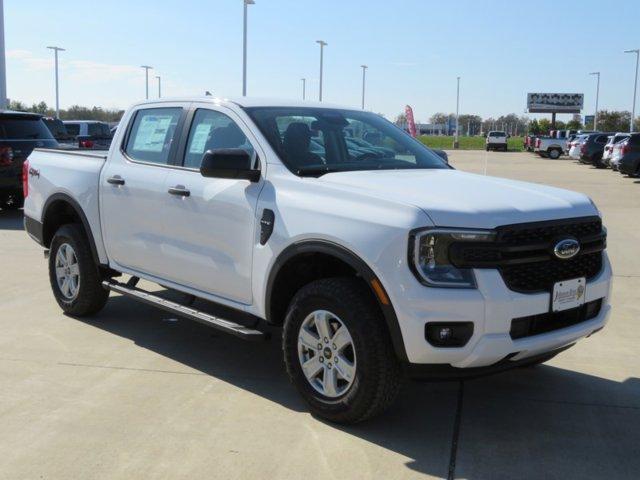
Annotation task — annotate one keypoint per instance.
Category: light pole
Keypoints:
(146, 79)
(322, 45)
(456, 143)
(244, 47)
(159, 86)
(635, 86)
(304, 88)
(364, 75)
(55, 52)
(595, 117)
(3, 65)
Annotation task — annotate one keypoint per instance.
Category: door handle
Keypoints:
(115, 180)
(179, 190)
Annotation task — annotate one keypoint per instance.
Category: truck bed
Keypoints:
(74, 174)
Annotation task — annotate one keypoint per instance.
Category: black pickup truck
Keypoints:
(20, 133)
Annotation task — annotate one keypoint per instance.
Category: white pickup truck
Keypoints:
(375, 266)
(550, 147)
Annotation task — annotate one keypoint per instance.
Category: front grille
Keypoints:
(523, 253)
(547, 322)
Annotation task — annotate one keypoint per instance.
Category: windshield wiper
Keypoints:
(316, 171)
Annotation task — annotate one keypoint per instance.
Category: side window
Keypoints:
(212, 130)
(152, 134)
(73, 128)
(93, 129)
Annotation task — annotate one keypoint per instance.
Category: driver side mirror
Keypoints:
(235, 163)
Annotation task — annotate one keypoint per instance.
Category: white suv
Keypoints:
(496, 140)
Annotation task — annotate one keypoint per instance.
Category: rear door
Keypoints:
(212, 231)
(132, 189)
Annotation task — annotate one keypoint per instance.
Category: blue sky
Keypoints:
(414, 48)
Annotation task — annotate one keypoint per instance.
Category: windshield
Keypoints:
(314, 141)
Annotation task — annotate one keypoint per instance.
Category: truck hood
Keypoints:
(452, 198)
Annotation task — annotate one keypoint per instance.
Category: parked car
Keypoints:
(496, 140)
(629, 162)
(550, 147)
(20, 133)
(59, 131)
(616, 154)
(90, 133)
(592, 149)
(373, 268)
(529, 142)
(575, 145)
(567, 144)
(608, 148)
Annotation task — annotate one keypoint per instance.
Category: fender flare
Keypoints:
(351, 259)
(83, 218)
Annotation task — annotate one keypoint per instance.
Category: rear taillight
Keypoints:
(537, 143)
(6, 156)
(625, 149)
(86, 144)
(583, 149)
(25, 178)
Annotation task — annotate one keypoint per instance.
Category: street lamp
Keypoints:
(304, 88)
(55, 52)
(635, 86)
(456, 143)
(159, 86)
(146, 78)
(595, 117)
(322, 44)
(364, 73)
(244, 48)
(3, 65)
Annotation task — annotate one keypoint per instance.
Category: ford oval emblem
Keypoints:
(567, 248)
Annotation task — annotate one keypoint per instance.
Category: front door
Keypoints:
(211, 222)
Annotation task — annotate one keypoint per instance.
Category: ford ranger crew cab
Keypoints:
(375, 263)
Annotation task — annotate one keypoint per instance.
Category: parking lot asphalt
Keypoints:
(134, 393)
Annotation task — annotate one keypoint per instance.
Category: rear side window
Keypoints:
(634, 140)
(212, 130)
(602, 139)
(73, 128)
(13, 128)
(152, 134)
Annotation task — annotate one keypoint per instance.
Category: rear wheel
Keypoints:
(73, 274)
(554, 153)
(338, 352)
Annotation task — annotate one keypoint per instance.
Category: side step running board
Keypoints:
(219, 323)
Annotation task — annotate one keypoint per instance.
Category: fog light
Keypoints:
(448, 335)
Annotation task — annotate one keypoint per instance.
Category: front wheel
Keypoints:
(74, 277)
(338, 353)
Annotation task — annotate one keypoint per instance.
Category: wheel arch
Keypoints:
(330, 250)
(61, 209)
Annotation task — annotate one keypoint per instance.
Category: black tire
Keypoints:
(505, 148)
(487, 148)
(378, 375)
(554, 154)
(91, 297)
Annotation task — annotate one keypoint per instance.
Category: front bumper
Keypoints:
(491, 308)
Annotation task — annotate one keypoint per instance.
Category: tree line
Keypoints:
(75, 112)
(608, 121)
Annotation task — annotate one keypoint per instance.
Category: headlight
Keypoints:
(429, 256)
